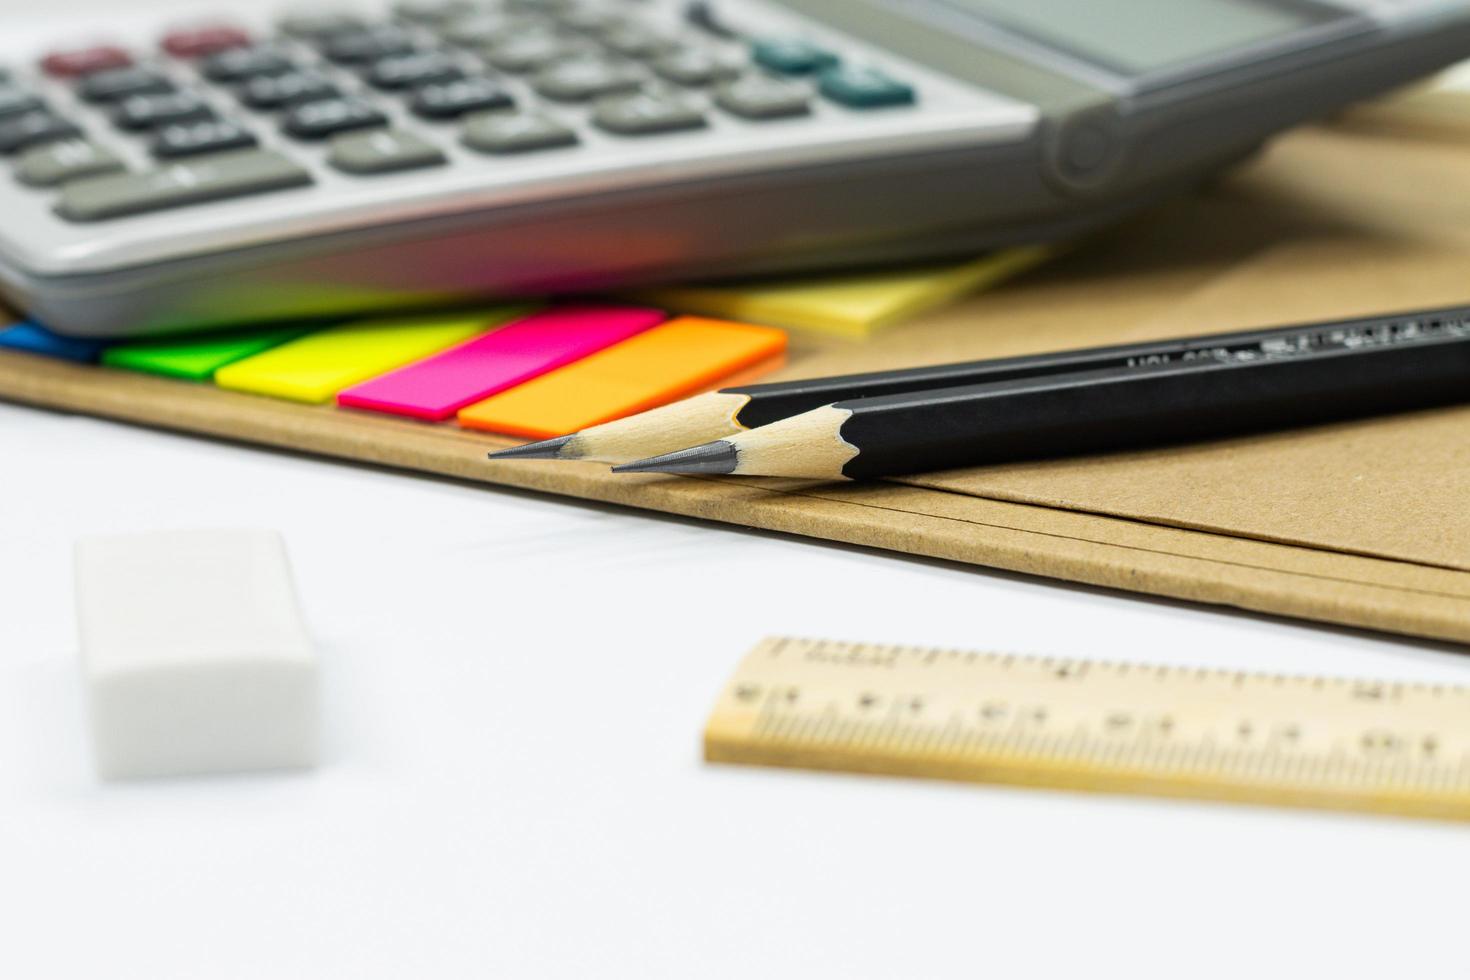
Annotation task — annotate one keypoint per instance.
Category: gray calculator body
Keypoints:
(1015, 121)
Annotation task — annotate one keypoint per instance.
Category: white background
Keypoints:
(512, 786)
(515, 689)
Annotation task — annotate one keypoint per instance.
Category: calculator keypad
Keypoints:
(407, 71)
(645, 113)
(243, 64)
(533, 50)
(696, 66)
(314, 25)
(78, 62)
(760, 97)
(581, 79)
(57, 163)
(515, 132)
(317, 120)
(29, 129)
(121, 83)
(199, 42)
(195, 139)
(290, 89)
(211, 179)
(15, 100)
(453, 99)
(149, 111)
(864, 88)
(406, 92)
(366, 46)
(383, 151)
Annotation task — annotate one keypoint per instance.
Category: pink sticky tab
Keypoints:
(441, 385)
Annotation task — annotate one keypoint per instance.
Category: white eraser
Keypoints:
(194, 655)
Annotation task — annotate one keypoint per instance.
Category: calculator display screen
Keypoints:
(1136, 37)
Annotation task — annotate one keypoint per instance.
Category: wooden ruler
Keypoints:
(1111, 727)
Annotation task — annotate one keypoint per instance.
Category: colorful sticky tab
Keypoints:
(437, 387)
(35, 339)
(315, 367)
(679, 358)
(196, 358)
(850, 305)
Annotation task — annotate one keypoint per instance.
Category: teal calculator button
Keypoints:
(864, 88)
(791, 56)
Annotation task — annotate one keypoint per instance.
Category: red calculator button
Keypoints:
(196, 42)
(84, 61)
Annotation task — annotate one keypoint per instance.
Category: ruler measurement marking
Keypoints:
(1099, 725)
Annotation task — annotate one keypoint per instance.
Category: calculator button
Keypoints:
(646, 113)
(453, 99)
(85, 61)
(409, 70)
(318, 120)
(791, 56)
(362, 47)
(582, 79)
(515, 132)
(590, 17)
(763, 97)
(120, 83)
(196, 42)
(284, 91)
(703, 15)
(315, 26)
(532, 51)
(32, 129)
(14, 100)
(864, 88)
(431, 11)
(194, 182)
(693, 66)
(243, 64)
(637, 41)
(489, 28)
(383, 151)
(148, 111)
(210, 136)
(56, 163)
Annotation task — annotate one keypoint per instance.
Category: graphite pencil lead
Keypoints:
(718, 457)
(545, 449)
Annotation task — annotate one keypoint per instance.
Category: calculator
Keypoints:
(164, 175)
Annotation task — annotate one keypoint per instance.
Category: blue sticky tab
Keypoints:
(37, 340)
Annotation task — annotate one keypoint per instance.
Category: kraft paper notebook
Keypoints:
(1362, 524)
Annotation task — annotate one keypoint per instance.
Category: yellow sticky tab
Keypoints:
(656, 367)
(850, 305)
(316, 367)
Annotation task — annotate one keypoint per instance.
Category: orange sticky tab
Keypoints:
(658, 366)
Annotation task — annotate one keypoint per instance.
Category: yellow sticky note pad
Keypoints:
(670, 361)
(316, 367)
(849, 305)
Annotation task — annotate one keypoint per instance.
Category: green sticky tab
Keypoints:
(197, 358)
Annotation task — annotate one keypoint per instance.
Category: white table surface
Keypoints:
(515, 689)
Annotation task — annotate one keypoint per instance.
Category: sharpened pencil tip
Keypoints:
(718, 457)
(545, 449)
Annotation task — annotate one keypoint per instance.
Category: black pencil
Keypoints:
(1332, 372)
(718, 414)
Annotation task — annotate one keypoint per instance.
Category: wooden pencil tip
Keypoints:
(545, 449)
(718, 457)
